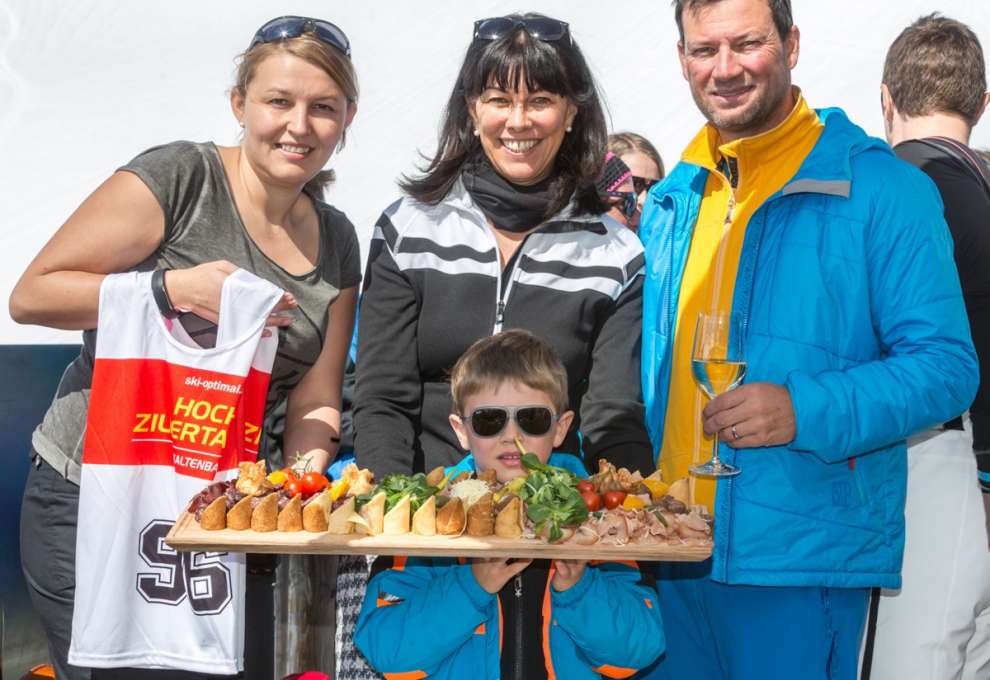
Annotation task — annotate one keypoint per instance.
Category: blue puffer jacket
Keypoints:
(852, 301)
(429, 618)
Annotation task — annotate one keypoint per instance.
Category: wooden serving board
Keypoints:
(187, 535)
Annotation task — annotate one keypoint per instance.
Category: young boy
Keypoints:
(505, 618)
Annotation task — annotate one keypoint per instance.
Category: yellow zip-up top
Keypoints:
(743, 175)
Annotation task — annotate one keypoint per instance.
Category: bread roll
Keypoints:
(290, 517)
(481, 516)
(239, 516)
(451, 518)
(316, 513)
(214, 515)
(265, 515)
(509, 521)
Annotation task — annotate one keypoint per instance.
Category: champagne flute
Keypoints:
(718, 364)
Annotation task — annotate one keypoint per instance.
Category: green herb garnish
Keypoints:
(551, 497)
(397, 486)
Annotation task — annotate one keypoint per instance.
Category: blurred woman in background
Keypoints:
(644, 162)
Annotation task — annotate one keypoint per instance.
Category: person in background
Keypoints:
(197, 212)
(511, 619)
(937, 625)
(504, 229)
(615, 186)
(644, 162)
(837, 258)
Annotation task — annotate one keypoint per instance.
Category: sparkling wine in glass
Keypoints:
(719, 365)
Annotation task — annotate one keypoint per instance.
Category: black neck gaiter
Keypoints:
(509, 206)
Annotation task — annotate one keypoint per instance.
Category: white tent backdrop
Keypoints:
(85, 86)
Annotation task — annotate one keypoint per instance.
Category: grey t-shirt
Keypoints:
(201, 225)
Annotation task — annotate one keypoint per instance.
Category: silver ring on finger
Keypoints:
(735, 435)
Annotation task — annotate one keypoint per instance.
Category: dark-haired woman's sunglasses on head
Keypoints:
(288, 27)
(541, 28)
(490, 421)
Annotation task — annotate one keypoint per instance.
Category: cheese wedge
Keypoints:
(371, 518)
(424, 520)
(339, 519)
(396, 520)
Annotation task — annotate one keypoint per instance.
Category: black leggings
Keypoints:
(48, 558)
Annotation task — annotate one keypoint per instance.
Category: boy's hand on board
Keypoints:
(567, 573)
(493, 573)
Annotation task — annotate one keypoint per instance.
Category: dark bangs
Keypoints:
(553, 66)
(508, 63)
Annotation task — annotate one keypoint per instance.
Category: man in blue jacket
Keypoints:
(836, 256)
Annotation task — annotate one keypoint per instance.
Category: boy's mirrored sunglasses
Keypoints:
(626, 202)
(641, 184)
(288, 27)
(541, 28)
(489, 421)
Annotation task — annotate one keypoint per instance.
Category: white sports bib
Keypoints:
(165, 419)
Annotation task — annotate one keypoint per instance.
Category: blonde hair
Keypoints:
(515, 355)
(621, 143)
(309, 48)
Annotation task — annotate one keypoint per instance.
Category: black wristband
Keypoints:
(161, 295)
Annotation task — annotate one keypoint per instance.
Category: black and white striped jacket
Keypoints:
(434, 285)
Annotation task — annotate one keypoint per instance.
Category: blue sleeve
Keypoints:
(570, 462)
(414, 618)
(633, 636)
(466, 464)
(928, 372)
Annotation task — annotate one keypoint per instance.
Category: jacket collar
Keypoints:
(708, 151)
(826, 170)
(567, 220)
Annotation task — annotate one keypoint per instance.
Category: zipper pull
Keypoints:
(499, 313)
(517, 585)
(733, 171)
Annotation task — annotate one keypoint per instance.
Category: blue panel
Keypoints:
(29, 375)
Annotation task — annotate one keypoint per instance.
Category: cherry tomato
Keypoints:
(613, 499)
(293, 487)
(592, 500)
(313, 482)
(586, 485)
(290, 474)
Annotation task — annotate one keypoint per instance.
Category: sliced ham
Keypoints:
(584, 535)
(612, 529)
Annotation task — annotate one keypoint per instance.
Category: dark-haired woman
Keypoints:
(503, 230)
